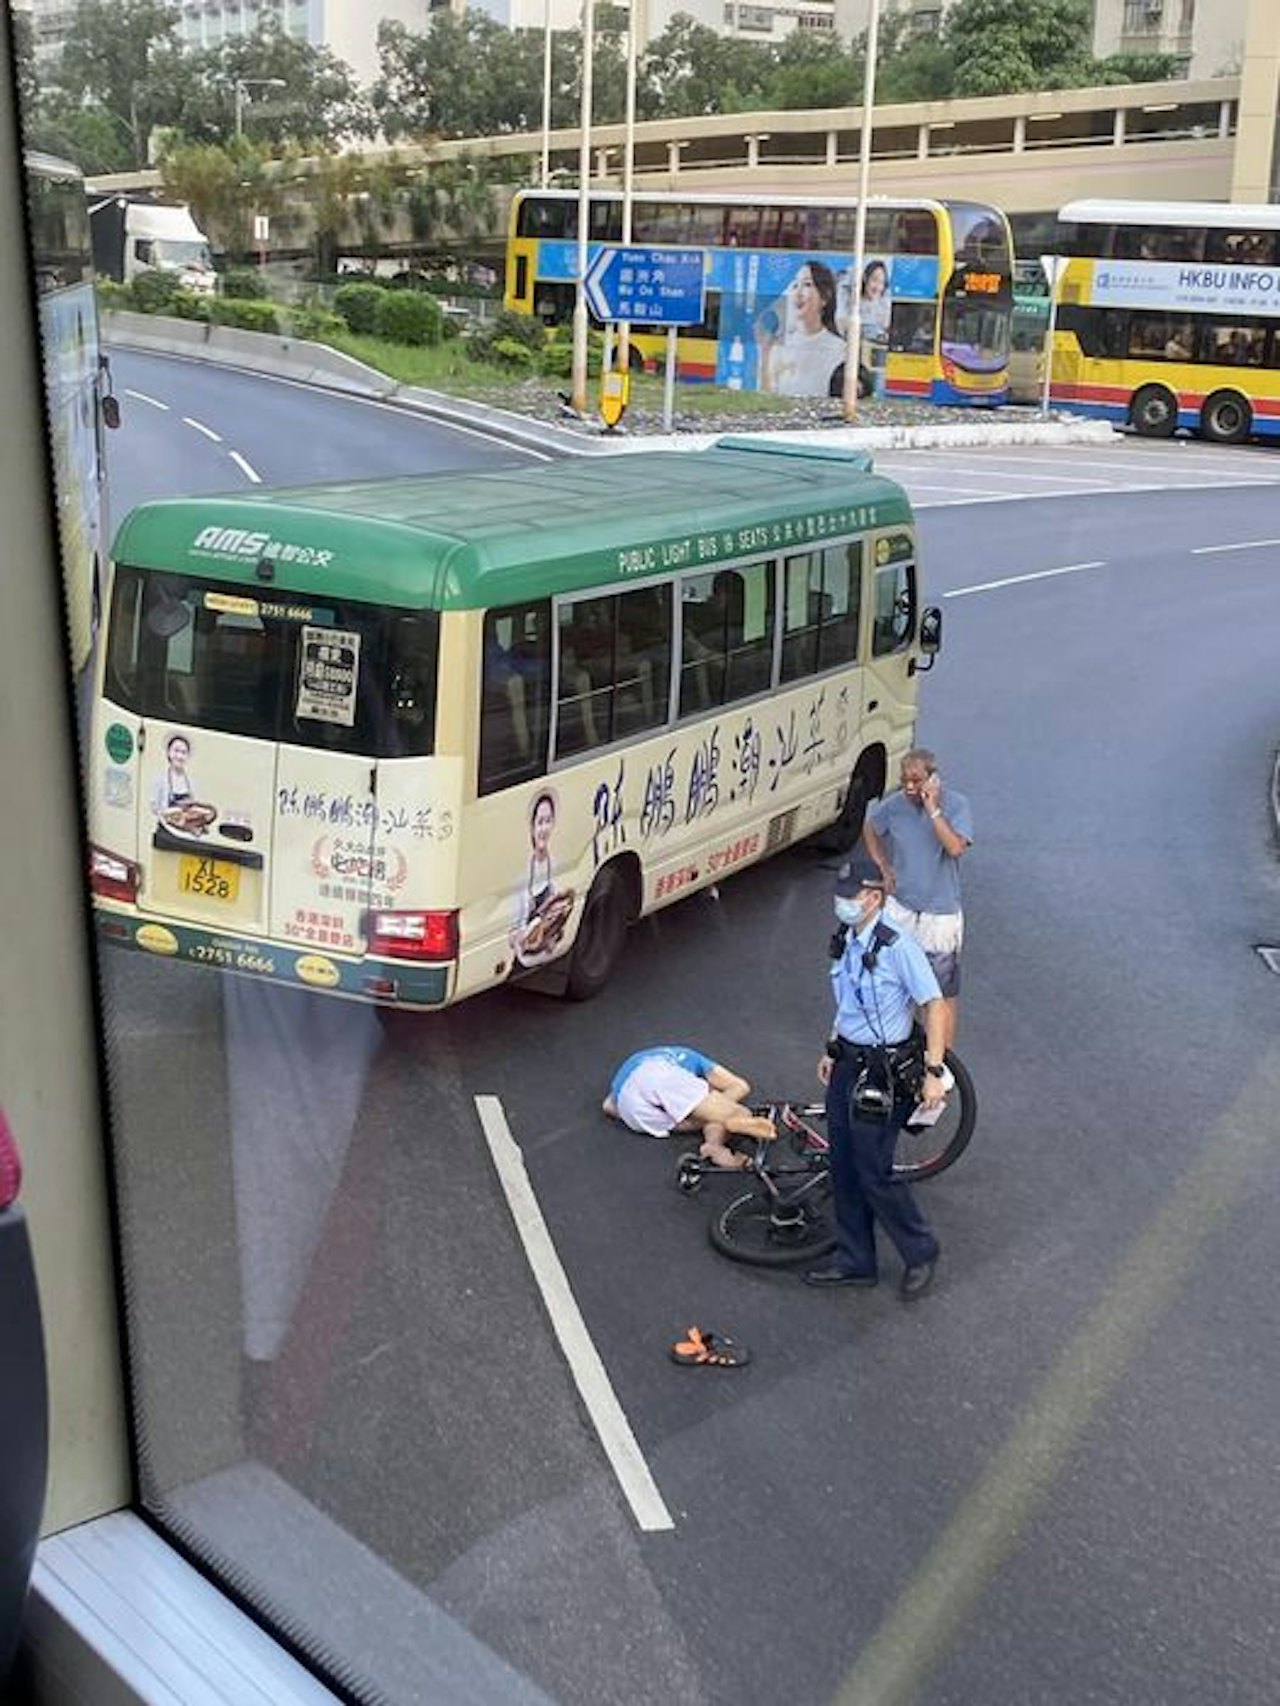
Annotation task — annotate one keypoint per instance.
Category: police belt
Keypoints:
(893, 1054)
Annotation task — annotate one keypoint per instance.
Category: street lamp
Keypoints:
(243, 84)
(579, 381)
(853, 325)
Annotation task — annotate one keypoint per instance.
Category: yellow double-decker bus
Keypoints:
(1168, 317)
(935, 290)
(405, 739)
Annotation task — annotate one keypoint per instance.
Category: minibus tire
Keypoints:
(601, 934)
(1153, 412)
(1226, 418)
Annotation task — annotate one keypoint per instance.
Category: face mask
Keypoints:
(848, 911)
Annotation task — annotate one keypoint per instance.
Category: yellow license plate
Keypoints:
(211, 879)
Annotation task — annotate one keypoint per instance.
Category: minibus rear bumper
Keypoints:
(389, 982)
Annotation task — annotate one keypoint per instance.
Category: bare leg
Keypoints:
(715, 1148)
(716, 1108)
(729, 1084)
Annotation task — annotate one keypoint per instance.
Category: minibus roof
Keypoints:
(467, 541)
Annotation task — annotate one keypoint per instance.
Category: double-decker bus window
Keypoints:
(1236, 345)
(1241, 248)
(515, 695)
(742, 228)
(911, 327)
(915, 233)
(1163, 337)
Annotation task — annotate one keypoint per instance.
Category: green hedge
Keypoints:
(358, 305)
(409, 317)
(244, 283)
(244, 316)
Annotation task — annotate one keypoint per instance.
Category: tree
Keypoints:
(225, 186)
(690, 69)
(813, 71)
(120, 57)
(465, 76)
(24, 56)
(914, 65)
(1001, 46)
(319, 102)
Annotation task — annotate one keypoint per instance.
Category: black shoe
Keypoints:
(835, 1274)
(916, 1281)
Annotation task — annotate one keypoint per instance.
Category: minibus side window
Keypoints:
(515, 695)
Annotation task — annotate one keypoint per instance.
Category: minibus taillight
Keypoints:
(414, 935)
(112, 877)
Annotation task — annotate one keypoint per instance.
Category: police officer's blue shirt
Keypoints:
(928, 876)
(692, 1061)
(877, 1006)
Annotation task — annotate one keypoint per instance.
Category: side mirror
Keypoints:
(110, 411)
(930, 638)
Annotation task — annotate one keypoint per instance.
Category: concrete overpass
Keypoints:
(1212, 140)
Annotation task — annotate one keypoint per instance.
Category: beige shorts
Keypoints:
(940, 934)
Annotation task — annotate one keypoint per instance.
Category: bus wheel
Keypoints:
(600, 935)
(635, 361)
(1154, 412)
(1226, 418)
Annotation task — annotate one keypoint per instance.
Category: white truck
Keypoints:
(130, 237)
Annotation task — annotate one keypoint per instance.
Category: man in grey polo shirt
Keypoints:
(917, 836)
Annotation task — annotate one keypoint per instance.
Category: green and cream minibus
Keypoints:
(405, 739)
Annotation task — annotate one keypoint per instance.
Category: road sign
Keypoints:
(261, 228)
(654, 287)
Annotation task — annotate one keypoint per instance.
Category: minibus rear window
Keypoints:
(327, 673)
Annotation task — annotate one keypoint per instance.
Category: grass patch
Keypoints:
(441, 367)
(447, 367)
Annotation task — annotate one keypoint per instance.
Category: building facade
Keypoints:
(1206, 37)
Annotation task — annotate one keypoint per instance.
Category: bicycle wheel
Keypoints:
(772, 1231)
(931, 1150)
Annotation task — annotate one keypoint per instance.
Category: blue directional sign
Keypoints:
(655, 287)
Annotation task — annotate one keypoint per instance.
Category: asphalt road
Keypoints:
(1051, 1481)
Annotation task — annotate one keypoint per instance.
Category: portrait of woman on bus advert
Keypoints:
(542, 909)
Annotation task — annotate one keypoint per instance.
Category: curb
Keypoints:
(331, 370)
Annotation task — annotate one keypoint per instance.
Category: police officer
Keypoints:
(880, 976)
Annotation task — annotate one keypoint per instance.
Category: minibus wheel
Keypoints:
(1226, 418)
(603, 930)
(1154, 412)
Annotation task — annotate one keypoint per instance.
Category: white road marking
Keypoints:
(1244, 545)
(141, 397)
(1018, 580)
(200, 427)
(1010, 472)
(590, 1376)
(246, 470)
(400, 409)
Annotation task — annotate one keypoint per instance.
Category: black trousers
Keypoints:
(865, 1188)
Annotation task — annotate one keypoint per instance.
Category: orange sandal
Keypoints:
(709, 1350)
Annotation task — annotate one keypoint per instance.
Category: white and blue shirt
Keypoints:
(699, 1064)
(878, 1005)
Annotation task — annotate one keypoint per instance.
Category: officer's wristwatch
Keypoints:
(935, 1068)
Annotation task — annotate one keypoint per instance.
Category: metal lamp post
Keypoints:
(584, 212)
(853, 325)
(243, 85)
